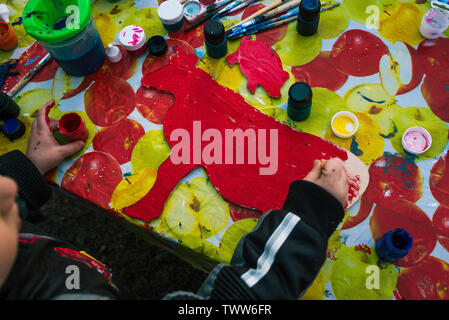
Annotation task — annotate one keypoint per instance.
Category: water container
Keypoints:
(68, 32)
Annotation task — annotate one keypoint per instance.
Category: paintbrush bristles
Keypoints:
(262, 11)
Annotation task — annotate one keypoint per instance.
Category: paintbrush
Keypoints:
(29, 75)
(230, 6)
(243, 5)
(264, 27)
(209, 14)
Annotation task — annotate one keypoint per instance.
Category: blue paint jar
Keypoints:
(215, 39)
(308, 17)
(171, 14)
(394, 245)
(13, 129)
(299, 101)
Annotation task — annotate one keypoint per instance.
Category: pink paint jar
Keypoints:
(133, 39)
(416, 140)
(73, 127)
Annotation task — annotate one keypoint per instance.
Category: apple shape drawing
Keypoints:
(198, 98)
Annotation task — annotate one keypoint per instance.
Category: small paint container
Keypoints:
(394, 245)
(434, 23)
(344, 124)
(13, 129)
(416, 140)
(8, 107)
(8, 38)
(114, 54)
(171, 14)
(72, 127)
(157, 46)
(215, 39)
(299, 101)
(308, 17)
(134, 40)
(192, 9)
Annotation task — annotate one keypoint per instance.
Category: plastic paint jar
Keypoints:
(13, 129)
(416, 140)
(8, 38)
(114, 54)
(299, 101)
(72, 127)
(215, 39)
(433, 23)
(308, 17)
(8, 108)
(394, 245)
(134, 40)
(344, 124)
(171, 14)
(157, 46)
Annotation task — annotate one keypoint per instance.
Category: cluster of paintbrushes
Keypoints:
(264, 19)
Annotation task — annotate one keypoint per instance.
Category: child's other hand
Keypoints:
(43, 149)
(331, 176)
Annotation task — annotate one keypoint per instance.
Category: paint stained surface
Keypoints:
(125, 164)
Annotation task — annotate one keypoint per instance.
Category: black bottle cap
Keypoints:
(300, 94)
(214, 32)
(157, 45)
(8, 108)
(309, 9)
(13, 129)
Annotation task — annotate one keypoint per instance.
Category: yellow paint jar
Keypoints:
(344, 124)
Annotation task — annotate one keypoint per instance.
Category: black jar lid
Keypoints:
(300, 94)
(157, 45)
(8, 107)
(214, 32)
(309, 9)
(13, 129)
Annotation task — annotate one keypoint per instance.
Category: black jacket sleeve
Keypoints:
(282, 256)
(32, 186)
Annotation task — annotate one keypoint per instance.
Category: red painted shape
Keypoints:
(261, 65)
(440, 221)
(119, 140)
(439, 179)
(199, 98)
(153, 104)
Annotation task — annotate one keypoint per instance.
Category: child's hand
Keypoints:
(331, 176)
(43, 149)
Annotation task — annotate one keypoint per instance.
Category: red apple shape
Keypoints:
(238, 213)
(434, 55)
(417, 71)
(153, 104)
(362, 214)
(124, 69)
(393, 177)
(153, 63)
(271, 36)
(109, 100)
(119, 140)
(404, 214)
(439, 179)
(94, 177)
(428, 280)
(357, 53)
(320, 72)
(435, 90)
(440, 222)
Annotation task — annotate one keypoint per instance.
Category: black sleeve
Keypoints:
(282, 256)
(32, 186)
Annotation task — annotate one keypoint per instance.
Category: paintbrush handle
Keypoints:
(262, 11)
(282, 8)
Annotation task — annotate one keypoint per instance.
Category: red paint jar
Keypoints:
(73, 127)
(8, 39)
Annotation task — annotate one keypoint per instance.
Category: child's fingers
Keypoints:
(70, 149)
(315, 173)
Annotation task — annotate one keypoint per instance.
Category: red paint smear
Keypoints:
(261, 65)
(153, 104)
(428, 280)
(124, 69)
(109, 100)
(406, 215)
(357, 53)
(119, 140)
(207, 2)
(153, 63)
(270, 37)
(239, 213)
(199, 98)
(36, 52)
(440, 221)
(94, 177)
(393, 177)
(320, 72)
(362, 214)
(439, 179)
(194, 37)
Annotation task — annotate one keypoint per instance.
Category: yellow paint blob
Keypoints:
(344, 125)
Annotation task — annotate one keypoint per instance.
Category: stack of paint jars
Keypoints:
(12, 127)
